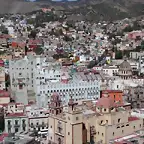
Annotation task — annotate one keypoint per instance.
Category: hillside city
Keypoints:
(65, 81)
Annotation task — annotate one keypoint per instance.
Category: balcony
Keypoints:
(59, 132)
(23, 125)
(17, 125)
(9, 126)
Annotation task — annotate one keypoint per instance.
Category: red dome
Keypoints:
(106, 102)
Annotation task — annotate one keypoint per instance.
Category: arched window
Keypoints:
(59, 141)
(59, 126)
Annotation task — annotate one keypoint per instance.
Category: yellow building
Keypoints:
(5, 56)
(100, 123)
(64, 128)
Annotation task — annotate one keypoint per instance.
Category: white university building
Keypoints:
(45, 77)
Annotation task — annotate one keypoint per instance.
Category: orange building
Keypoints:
(116, 95)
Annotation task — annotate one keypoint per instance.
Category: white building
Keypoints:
(45, 76)
(22, 78)
(22, 73)
(66, 82)
(110, 70)
(38, 118)
(2, 78)
(138, 113)
(15, 118)
(141, 64)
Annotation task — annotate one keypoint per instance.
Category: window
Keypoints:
(122, 131)
(16, 122)
(104, 109)
(16, 130)
(113, 133)
(9, 130)
(102, 134)
(140, 125)
(127, 124)
(51, 126)
(77, 118)
(119, 120)
(98, 133)
(38, 128)
(112, 108)
(134, 127)
(59, 129)
(20, 86)
(114, 96)
(68, 118)
(43, 123)
(68, 133)
(23, 121)
(138, 96)
(9, 122)
(24, 128)
(59, 141)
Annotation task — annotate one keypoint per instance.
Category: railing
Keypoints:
(17, 125)
(59, 131)
(24, 125)
(9, 126)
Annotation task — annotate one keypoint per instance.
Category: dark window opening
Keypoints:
(16, 130)
(24, 128)
(59, 141)
(119, 120)
(20, 86)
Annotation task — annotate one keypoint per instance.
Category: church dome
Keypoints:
(125, 65)
(106, 102)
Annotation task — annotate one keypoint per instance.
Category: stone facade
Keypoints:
(101, 123)
(136, 97)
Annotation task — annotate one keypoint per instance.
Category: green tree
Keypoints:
(128, 29)
(137, 49)
(5, 31)
(136, 26)
(38, 50)
(33, 34)
(142, 45)
(91, 64)
(56, 56)
(118, 54)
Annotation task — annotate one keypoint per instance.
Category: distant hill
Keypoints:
(89, 9)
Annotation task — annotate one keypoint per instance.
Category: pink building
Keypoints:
(133, 35)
